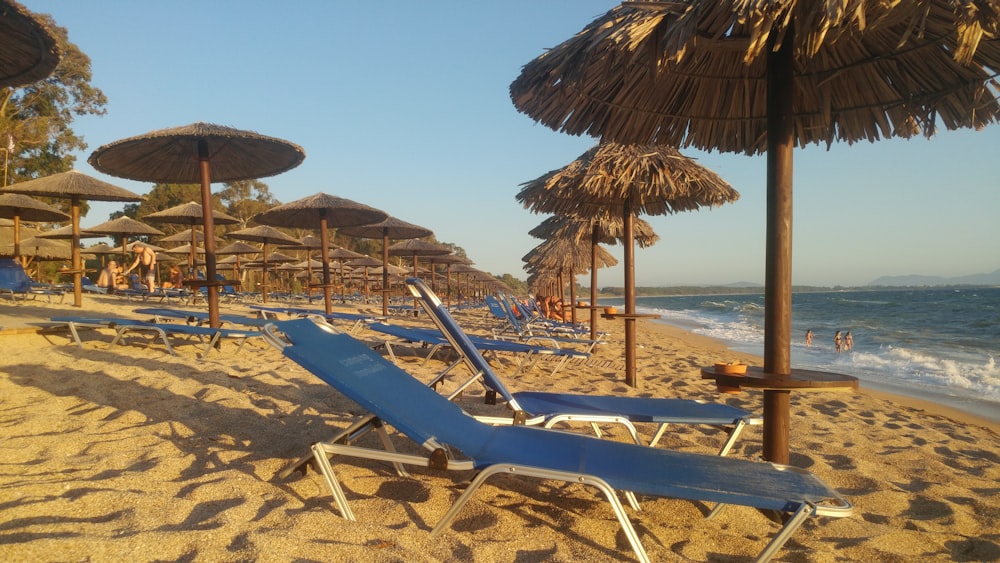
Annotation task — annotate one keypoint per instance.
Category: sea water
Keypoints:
(937, 344)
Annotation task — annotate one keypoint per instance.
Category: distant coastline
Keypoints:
(740, 289)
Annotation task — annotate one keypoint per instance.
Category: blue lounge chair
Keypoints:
(435, 340)
(550, 409)
(198, 318)
(446, 432)
(512, 327)
(124, 326)
(14, 281)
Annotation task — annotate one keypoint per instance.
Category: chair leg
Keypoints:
(319, 454)
(604, 487)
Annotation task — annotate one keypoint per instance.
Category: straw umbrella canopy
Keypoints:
(234, 250)
(766, 76)
(450, 260)
(364, 262)
(101, 249)
(28, 49)
(124, 227)
(567, 254)
(307, 243)
(75, 186)
(341, 255)
(21, 207)
(415, 248)
(190, 214)
(603, 228)
(199, 153)
(626, 180)
(390, 228)
(46, 248)
(322, 211)
(265, 235)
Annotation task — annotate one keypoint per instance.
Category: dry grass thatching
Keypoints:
(390, 227)
(171, 156)
(308, 211)
(26, 208)
(28, 49)
(649, 179)
(189, 213)
(610, 229)
(73, 184)
(693, 73)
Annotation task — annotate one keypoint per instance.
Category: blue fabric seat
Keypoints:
(454, 440)
(15, 282)
(124, 326)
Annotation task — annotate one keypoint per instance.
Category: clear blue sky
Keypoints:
(404, 106)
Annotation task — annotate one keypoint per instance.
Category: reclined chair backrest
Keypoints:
(13, 277)
(454, 333)
(381, 388)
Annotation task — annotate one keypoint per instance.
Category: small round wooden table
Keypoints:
(777, 420)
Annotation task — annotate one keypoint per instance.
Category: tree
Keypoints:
(36, 119)
(246, 198)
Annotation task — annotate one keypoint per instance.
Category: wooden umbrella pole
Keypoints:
(209, 224)
(77, 266)
(572, 295)
(385, 271)
(778, 267)
(594, 237)
(629, 255)
(263, 275)
(324, 239)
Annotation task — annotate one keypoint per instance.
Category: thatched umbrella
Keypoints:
(363, 262)
(601, 229)
(390, 228)
(265, 235)
(307, 243)
(321, 211)
(199, 153)
(415, 248)
(627, 180)
(755, 76)
(21, 207)
(190, 214)
(100, 249)
(568, 254)
(28, 49)
(341, 255)
(450, 260)
(75, 186)
(125, 227)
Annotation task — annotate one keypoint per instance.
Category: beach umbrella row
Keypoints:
(321, 211)
(626, 180)
(765, 76)
(199, 153)
(77, 187)
(389, 228)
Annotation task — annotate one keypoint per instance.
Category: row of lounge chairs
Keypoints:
(487, 446)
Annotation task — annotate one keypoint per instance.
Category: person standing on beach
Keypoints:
(145, 260)
(848, 342)
(837, 341)
(809, 337)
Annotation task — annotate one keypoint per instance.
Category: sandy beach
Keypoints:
(129, 453)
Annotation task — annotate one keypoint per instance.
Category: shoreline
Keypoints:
(926, 401)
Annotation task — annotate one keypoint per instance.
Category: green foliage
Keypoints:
(37, 118)
(246, 198)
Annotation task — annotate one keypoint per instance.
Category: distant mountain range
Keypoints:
(992, 278)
